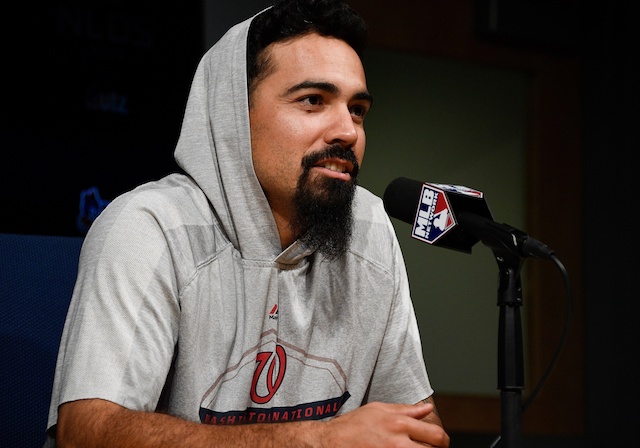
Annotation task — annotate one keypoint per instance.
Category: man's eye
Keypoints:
(311, 101)
(359, 111)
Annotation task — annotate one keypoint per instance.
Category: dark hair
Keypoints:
(287, 19)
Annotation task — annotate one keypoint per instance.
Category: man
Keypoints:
(261, 299)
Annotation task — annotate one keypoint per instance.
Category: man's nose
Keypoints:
(341, 128)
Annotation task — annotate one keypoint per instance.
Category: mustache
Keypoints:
(335, 150)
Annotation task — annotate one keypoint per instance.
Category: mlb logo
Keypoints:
(434, 217)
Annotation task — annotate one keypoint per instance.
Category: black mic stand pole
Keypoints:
(510, 352)
(502, 240)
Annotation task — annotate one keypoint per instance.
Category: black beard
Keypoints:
(323, 208)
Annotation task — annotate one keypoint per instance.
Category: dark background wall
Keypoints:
(94, 95)
(611, 95)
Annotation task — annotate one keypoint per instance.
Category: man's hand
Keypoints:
(388, 425)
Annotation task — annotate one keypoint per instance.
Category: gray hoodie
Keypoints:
(186, 303)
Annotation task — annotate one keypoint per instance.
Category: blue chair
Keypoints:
(37, 274)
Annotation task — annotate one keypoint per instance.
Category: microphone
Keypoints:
(455, 217)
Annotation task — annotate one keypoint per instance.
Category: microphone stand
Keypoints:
(503, 241)
(510, 352)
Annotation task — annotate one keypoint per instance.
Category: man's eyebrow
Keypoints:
(366, 96)
(327, 87)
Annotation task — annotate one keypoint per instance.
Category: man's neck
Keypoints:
(285, 232)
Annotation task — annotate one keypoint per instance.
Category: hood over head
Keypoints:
(214, 147)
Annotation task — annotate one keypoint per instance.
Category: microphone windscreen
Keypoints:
(402, 198)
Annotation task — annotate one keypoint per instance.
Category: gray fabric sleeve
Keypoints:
(123, 319)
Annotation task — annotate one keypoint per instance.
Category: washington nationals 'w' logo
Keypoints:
(272, 379)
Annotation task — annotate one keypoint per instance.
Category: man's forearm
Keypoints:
(98, 423)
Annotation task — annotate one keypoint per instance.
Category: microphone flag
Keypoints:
(432, 210)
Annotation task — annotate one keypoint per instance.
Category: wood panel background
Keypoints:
(447, 29)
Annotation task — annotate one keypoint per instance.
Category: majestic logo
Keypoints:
(433, 218)
(273, 314)
(273, 377)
